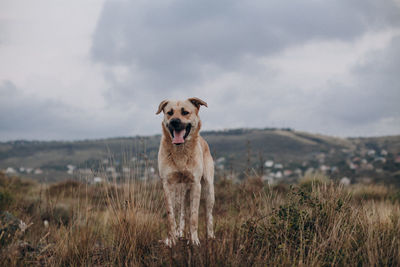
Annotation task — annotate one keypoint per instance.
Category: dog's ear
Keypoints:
(197, 102)
(161, 106)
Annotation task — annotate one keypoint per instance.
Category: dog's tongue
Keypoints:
(178, 137)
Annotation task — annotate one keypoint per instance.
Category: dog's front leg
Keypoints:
(183, 189)
(195, 193)
(168, 193)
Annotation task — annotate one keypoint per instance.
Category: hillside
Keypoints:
(272, 153)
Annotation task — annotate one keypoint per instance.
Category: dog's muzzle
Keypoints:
(179, 131)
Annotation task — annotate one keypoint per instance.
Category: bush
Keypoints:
(296, 230)
(370, 192)
(15, 185)
(6, 199)
(66, 188)
(311, 180)
(58, 215)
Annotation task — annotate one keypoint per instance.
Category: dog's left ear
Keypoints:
(161, 106)
(197, 102)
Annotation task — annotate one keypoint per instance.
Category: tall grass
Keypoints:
(314, 223)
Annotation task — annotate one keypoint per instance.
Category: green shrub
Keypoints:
(294, 228)
(15, 185)
(311, 180)
(58, 215)
(65, 188)
(370, 192)
(6, 199)
(395, 196)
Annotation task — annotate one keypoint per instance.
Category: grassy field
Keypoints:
(312, 223)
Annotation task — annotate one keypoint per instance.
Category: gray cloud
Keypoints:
(375, 94)
(220, 51)
(171, 41)
(175, 48)
(25, 116)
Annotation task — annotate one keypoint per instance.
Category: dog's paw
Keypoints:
(169, 242)
(180, 234)
(195, 241)
(210, 236)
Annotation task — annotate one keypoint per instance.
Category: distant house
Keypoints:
(380, 159)
(220, 160)
(38, 171)
(97, 180)
(219, 163)
(278, 166)
(384, 152)
(268, 179)
(110, 169)
(233, 177)
(11, 170)
(353, 166)
(371, 152)
(324, 168)
(345, 181)
(367, 167)
(86, 171)
(298, 171)
(365, 180)
(71, 169)
(309, 170)
(269, 163)
(321, 157)
(287, 173)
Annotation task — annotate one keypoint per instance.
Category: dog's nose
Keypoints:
(175, 123)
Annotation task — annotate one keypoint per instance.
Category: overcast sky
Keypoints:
(91, 69)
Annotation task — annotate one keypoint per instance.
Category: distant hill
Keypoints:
(237, 152)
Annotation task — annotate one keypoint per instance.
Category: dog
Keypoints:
(185, 164)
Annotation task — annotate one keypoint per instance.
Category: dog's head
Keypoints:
(181, 119)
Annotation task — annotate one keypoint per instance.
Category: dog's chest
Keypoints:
(181, 177)
(181, 161)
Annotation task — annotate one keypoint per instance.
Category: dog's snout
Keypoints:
(176, 123)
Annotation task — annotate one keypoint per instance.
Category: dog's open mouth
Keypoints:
(179, 135)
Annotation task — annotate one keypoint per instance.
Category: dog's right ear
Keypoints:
(197, 102)
(161, 106)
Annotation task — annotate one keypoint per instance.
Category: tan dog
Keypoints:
(185, 163)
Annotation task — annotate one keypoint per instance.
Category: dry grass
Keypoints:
(315, 223)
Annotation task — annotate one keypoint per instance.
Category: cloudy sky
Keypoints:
(90, 69)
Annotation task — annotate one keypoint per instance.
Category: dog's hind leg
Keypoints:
(208, 181)
(195, 192)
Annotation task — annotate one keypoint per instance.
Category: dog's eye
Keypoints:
(184, 112)
(171, 112)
